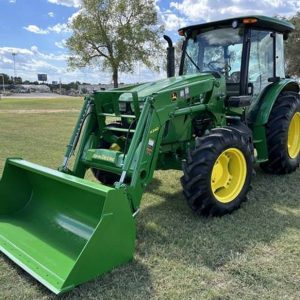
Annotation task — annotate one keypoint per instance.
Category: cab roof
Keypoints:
(263, 22)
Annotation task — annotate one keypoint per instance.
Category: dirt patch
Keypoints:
(36, 111)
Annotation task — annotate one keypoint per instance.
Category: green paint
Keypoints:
(62, 229)
(65, 230)
(266, 101)
(259, 114)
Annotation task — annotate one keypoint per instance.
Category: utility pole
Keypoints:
(60, 86)
(15, 74)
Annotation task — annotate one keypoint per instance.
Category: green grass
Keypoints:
(253, 253)
(47, 103)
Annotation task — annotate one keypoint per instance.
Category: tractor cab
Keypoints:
(247, 51)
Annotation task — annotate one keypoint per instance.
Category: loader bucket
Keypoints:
(61, 229)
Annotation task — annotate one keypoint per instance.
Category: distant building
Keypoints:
(31, 88)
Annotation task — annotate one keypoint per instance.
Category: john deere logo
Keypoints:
(174, 96)
(104, 157)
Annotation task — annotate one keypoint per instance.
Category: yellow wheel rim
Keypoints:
(294, 136)
(228, 175)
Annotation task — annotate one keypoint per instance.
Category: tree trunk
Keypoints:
(115, 78)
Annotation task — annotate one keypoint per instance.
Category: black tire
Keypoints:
(105, 177)
(198, 167)
(280, 162)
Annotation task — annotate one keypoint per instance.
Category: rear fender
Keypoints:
(267, 100)
(262, 111)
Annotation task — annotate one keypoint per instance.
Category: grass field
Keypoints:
(253, 253)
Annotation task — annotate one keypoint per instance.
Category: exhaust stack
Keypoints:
(170, 57)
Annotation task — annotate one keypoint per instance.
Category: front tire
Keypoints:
(283, 135)
(217, 173)
(105, 177)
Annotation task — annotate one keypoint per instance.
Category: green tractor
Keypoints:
(231, 106)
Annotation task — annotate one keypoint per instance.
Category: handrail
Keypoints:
(76, 133)
(135, 98)
(136, 139)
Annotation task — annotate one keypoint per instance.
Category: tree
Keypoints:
(115, 34)
(7, 79)
(292, 48)
(18, 80)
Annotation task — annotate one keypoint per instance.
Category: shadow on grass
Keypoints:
(129, 281)
(168, 232)
(212, 242)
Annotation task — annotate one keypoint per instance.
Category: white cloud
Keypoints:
(51, 14)
(59, 28)
(7, 60)
(175, 14)
(49, 56)
(61, 44)
(12, 1)
(172, 22)
(36, 29)
(205, 10)
(30, 62)
(10, 50)
(69, 3)
(32, 52)
(170, 19)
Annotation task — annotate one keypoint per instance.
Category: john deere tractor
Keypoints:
(231, 106)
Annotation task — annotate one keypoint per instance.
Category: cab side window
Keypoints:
(280, 67)
(261, 60)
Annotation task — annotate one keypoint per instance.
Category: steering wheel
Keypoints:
(221, 69)
(235, 77)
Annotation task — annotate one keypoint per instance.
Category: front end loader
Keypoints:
(230, 107)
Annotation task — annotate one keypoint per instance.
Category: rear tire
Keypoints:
(217, 172)
(283, 135)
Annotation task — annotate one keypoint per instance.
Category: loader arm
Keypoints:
(135, 166)
(139, 162)
(65, 230)
(146, 142)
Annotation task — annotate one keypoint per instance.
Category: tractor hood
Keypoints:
(175, 83)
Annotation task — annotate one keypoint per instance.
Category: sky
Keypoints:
(36, 31)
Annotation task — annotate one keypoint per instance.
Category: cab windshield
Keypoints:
(215, 50)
